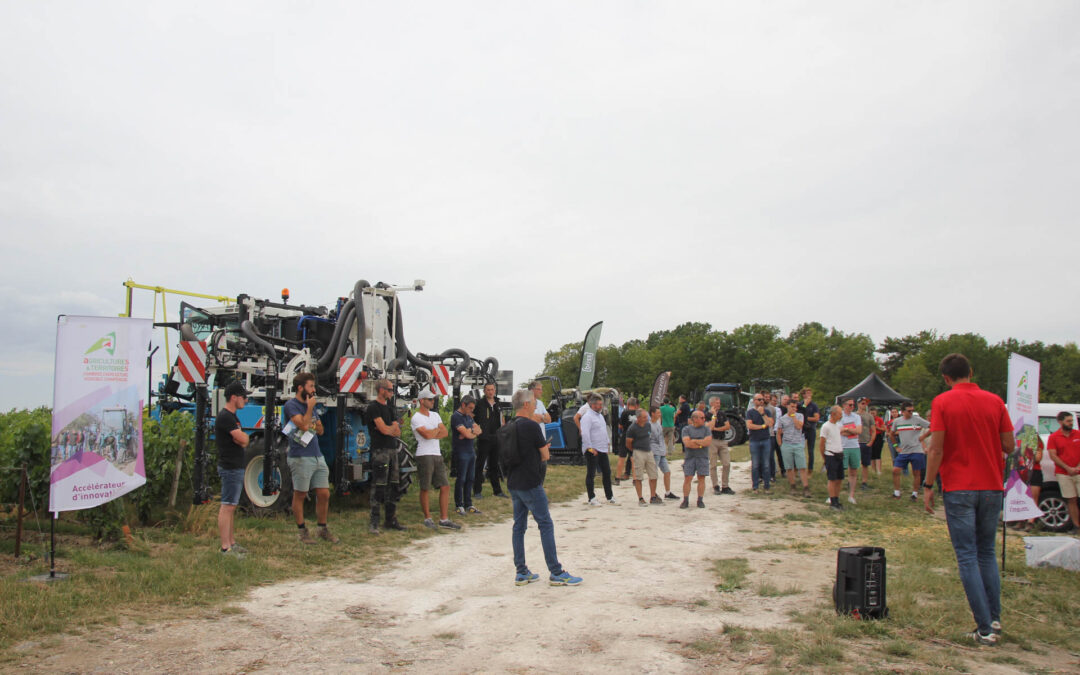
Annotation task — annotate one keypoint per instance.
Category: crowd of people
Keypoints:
(959, 449)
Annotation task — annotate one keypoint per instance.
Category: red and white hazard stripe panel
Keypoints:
(440, 376)
(350, 374)
(191, 362)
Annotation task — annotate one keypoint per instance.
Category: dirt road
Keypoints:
(451, 606)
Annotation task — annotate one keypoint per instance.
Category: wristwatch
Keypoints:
(929, 486)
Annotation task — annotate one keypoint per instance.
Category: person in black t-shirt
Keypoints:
(811, 415)
(231, 441)
(385, 466)
(490, 418)
(527, 492)
(626, 459)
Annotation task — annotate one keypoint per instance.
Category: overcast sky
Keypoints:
(881, 167)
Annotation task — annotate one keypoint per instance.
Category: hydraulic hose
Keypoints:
(491, 367)
(353, 313)
(248, 329)
(402, 355)
(335, 337)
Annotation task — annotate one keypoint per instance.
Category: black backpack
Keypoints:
(509, 453)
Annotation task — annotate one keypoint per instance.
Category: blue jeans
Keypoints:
(466, 474)
(533, 501)
(760, 454)
(972, 516)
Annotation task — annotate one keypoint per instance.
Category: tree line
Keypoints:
(828, 360)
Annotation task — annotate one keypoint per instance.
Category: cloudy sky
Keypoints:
(882, 167)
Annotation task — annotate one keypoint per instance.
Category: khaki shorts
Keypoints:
(309, 473)
(432, 472)
(643, 459)
(1068, 485)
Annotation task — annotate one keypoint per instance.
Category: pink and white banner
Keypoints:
(98, 385)
(1019, 504)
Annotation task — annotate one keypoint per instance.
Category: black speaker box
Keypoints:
(860, 582)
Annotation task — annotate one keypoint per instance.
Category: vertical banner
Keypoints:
(588, 356)
(659, 389)
(97, 443)
(1023, 400)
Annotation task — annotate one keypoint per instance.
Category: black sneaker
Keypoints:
(685, 503)
(716, 489)
(727, 491)
(700, 503)
(670, 495)
(865, 487)
(836, 506)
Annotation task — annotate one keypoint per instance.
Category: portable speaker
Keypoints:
(860, 582)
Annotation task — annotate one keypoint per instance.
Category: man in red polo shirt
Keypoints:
(970, 435)
(1064, 446)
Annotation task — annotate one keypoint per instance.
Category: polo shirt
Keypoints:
(973, 421)
(851, 421)
(1067, 448)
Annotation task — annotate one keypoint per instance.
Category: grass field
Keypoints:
(928, 609)
(177, 565)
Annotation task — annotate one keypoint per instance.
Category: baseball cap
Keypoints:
(426, 393)
(235, 389)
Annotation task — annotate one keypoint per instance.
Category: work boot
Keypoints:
(391, 522)
(374, 528)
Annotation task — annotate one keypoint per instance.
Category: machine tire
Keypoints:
(407, 464)
(252, 499)
(736, 435)
(1056, 511)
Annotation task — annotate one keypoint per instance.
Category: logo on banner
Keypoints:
(191, 362)
(1023, 380)
(106, 342)
(588, 362)
(440, 374)
(350, 374)
(103, 368)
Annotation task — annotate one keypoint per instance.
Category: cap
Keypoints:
(426, 393)
(865, 398)
(235, 389)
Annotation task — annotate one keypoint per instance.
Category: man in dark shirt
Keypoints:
(626, 458)
(811, 416)
(490, 418)
(527, 493)
(759, 419)
(464, 434)
(385, 467)
(307, 465)
(231, 441)
(638, 441)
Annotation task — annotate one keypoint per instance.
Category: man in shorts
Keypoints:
(231, 441)
(909, 432)
(1064, 447)
(850, 431)
(306, 462)
(638, 442)
(667, 423)
(832, 454)
(428, 428)
(660, 444)
(789, 434)
(695, 439)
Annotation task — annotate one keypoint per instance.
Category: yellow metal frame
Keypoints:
(131, 286)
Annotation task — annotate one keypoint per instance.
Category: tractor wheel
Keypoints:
(736, 435)
(407, 464)
(252, 498)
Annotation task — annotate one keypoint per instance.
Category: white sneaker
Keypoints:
(896, 493)
(613, 501)
(461, 510)
(828, 500)
(593, 502)
(851, 500)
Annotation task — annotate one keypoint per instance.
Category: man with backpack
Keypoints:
(522, 448)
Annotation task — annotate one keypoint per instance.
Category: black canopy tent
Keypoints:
(876, 390)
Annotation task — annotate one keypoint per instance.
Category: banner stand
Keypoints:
(53, 575)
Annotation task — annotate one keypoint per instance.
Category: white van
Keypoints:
(1050, 501)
